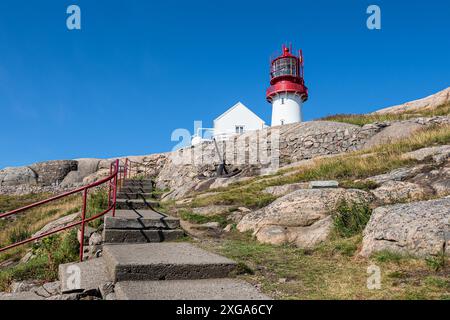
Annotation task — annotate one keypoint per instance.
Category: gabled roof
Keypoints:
(234, 107)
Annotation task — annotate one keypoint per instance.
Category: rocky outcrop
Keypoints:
(301, 217)
(397, 191)
(85, 167)
(53, 172)
(58, 223)
(438, 154)
(285, 189)
(428, 103)
(417, 228)
(17, 176)
(395, 131)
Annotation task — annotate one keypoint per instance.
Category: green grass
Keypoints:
(386, 256)
(362, 119)
(8, 203)
(49, 254)
(201, 219)
(344, 168)
(330, 271)
(351, 218)
(97, 203)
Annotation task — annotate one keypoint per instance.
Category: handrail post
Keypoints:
(115, 191)
(109, 184)
(83, 218)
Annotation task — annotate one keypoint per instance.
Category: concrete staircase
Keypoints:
(140, 260)
(136, 221)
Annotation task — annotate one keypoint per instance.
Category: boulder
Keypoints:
(23, 286)
(53, 172)
(395, 131)
(58, 223)
(85, 167)
(301, 217)
(399, 174)
(397, 191)
(416, 228)
(438, 153)
(101, 173)
(285, 189)
(427, 103)
(14, 176)
(214, 226)
(212, 210)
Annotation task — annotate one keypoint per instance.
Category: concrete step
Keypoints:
(136, 204)
(164, 261)
(135, 189)
(138, 182)
(140, 219)
(140, 236)
(86, 275)
(206, 289)
(134, 195)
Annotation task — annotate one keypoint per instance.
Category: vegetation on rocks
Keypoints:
(351, 218)
(349, 169)
(48, 252)
(332, 270)
(362, 119)
(48, 255)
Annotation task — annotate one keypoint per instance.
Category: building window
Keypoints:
(239, 129)
(282, 100)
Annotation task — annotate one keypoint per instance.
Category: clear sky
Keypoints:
(139, 69)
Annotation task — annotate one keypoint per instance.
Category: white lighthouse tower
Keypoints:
(287, 90)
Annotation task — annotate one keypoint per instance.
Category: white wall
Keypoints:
(238, 115)
(286, 108)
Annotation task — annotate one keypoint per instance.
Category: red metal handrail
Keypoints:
(117, 174)
(137, 168)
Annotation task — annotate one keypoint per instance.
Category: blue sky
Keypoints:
(139, 69)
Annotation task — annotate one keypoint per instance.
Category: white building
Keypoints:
(236, 120)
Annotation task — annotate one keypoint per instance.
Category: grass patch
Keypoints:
(362, 119)
(329, 271)
(201, 219)
(30, 221)
(49, 254)
(97, 203)
(386, 256)
(248, 197)
(347, 168)
(8, 202)
(436, 263)
(351, 218)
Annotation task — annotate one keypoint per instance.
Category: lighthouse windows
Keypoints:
(282, 100)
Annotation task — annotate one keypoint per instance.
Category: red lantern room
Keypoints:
(287, 89)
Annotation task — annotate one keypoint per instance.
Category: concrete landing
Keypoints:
(92, 274)
(164, 261)
(206, 289)
(140, 219)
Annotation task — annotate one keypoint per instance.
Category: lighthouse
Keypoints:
(287, 90)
